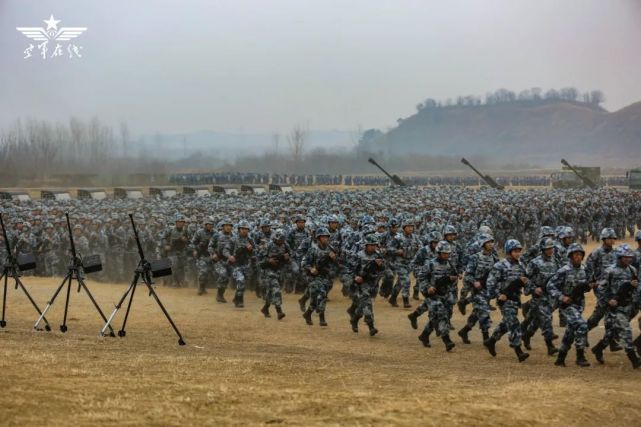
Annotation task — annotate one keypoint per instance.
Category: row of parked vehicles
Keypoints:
(139, 193)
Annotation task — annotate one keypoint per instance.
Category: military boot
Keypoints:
(520, 354)
(279, 310)
(637, 343)
(351, 310)
(449, 345)
(597, 350)
(307, 315)
(265, 310)
(461, 304)
(201, 289)
(354, 322)
(526, 340)
(634, 358)
(302, 302)
(425, 338)
(321, 317)
(580, 358)
(560, 358)
(486, 335)
(406, 302)
(415, 293)
(220, 296)
(372, 330)
(490, 344)
(413, 319)
(392, 298)
(552, 350)
(614, 346)
(463, 333)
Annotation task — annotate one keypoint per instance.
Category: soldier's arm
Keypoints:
(555, 284)
(493, 281)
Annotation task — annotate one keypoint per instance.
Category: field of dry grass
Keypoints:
(240, 368)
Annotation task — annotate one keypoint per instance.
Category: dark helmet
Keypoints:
(547, 244)
(371, 239)
(608, 233)
(243, 224)
(449, 229)
(511, 245)
(484, 238)
(624, 251)
(321, 231)
(575, 247)
(435, 236)
(278, 235)
(393, 222)
(443, 247)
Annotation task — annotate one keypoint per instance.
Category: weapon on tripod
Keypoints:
(144, 271)
(488, 179)
(587, 181)
(395, 179)
(12, 268)
(75, 272)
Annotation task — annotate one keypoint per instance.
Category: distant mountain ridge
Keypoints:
(537, 131)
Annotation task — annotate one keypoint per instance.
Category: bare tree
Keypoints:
(296, 139)
(124, 138)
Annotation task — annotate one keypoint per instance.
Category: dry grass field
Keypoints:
(239, 368)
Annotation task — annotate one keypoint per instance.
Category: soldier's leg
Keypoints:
(544, 310)
(203, 274)
(239, 277)
(223, 279)
(598, 314)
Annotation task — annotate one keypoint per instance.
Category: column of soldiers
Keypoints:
(374, 242)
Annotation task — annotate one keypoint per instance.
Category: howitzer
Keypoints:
(394, 178)
(587, 181)
(488, 179)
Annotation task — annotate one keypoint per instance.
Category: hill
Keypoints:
(537, 131)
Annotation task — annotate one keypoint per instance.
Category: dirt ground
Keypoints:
(240, 368)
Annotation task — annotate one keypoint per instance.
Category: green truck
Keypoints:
(634, 179)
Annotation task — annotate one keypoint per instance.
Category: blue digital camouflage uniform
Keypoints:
(573, 282)
(505, 279)
(478, 269)
(539, 271)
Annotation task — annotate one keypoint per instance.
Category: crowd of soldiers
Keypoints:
(372, 243)
(223, 178)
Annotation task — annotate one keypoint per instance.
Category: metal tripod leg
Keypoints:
(95, 304)
(132, 285)
(63, 327)
(121, 332)
(5, 274)
(181, 341)
(19, 284)
(53, 298)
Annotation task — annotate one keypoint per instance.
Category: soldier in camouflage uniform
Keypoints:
(275, 258)
(368, 266)
(385, 240)
(477, 272)
(505, 282)
(318, 263)
(435, 281)
(176, 241)
(262, 238)
(116, 238)
(618, 286)
(221, 264)
(295, 238)
(539, 315)
(239, 252)
(49, 242)
(200, 245)
(404, 247)
(598, 261)
(568, 286)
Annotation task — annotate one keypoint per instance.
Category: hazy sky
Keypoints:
(261, 65)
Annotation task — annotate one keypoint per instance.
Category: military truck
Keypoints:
(634, 179)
